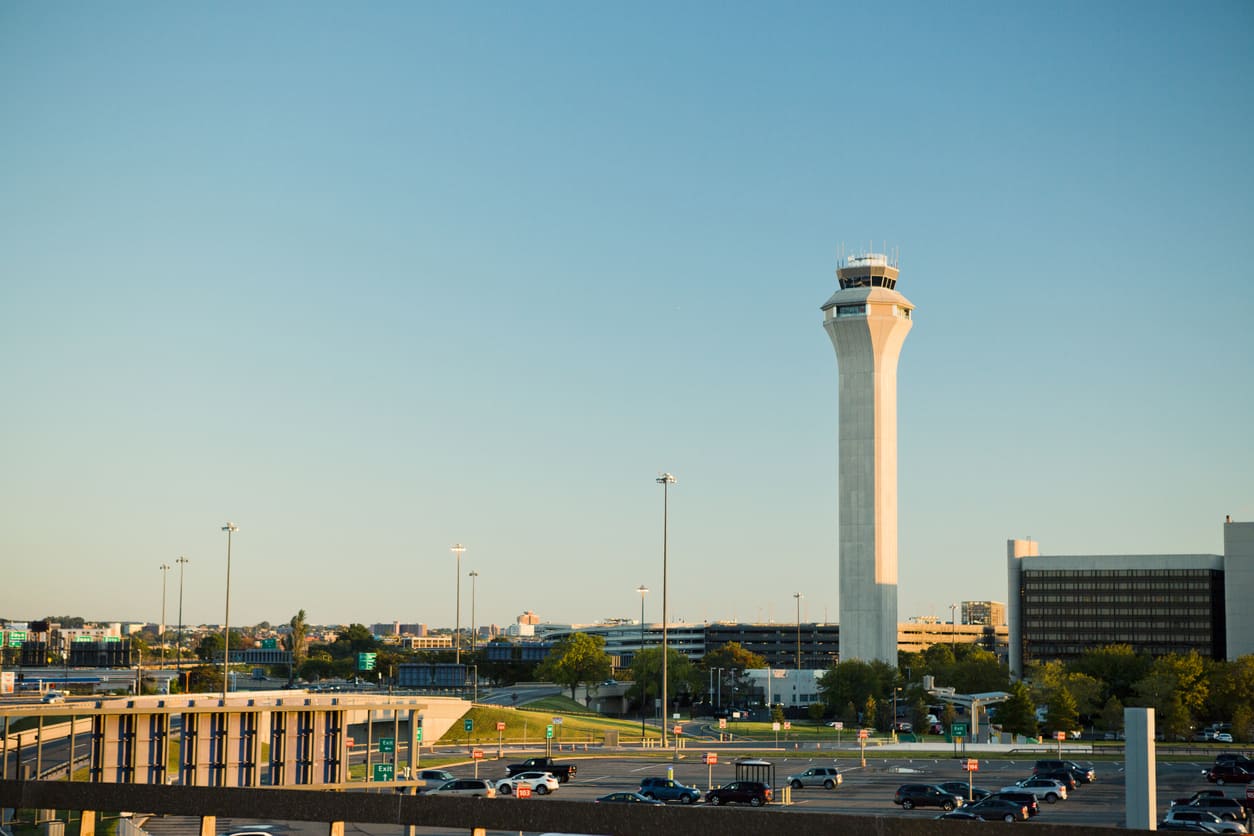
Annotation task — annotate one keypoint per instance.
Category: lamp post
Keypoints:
(458, 549)
(798, 596)
(665, 480)
(474, 581)
(953, 626)
(165, 570)
(643, 590)
(182, 561)
(230, 528)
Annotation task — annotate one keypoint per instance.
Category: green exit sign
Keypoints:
(383, 772)
(469, 725)
(548, 731)
(387, 744)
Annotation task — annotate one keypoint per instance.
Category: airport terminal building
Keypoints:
(1062, 605)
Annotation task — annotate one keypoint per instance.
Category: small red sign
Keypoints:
(679, 730)
(722, 722)
(1060, 735)
(500, 727)
(787, 725)
(863, 734)
(522, 791)
(477, 754)
(348, 741)
(972, 765)
(712, 757)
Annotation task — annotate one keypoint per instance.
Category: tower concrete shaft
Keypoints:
(868, 320)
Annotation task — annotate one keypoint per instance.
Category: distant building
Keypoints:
(528, 617)
(1062, 606)
(442, 642)
(385, 629)
(987, 613)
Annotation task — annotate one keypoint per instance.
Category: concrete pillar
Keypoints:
(87, 823)
(336, 828)
(208, 826)
(1141, 777)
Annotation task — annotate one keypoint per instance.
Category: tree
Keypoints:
(1232, 690)
(646, 670)
(815, 711)
(1116, 666)
(732, 656)
(356, 638)
(296, 639)
(1177, 688)
(1060, 712)
(1018, 714)
(870, 712)
(1111, 718)
(578, 658)
(854, 681)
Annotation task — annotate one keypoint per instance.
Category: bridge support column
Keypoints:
(336, 829)
(208, 826)
(87, 823)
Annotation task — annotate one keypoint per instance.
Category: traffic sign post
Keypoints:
(862, 736)
(383, 772)
(710, 758)
(958, 733)
(500, 740)
(522, 791)
(971, 765)
(548, 740)
(1060, 736)
(386, 745)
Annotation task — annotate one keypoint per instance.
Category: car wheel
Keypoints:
(755, 802)
(715, 800)
(947, 806)
(1051, 797)
(907, 804)
(542, 790)
(796, 785)
(829, 784)
(1008, 817)
(503, 789)
(686, 799)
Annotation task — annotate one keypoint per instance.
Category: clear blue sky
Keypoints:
(371, 279)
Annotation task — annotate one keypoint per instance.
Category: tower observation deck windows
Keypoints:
(868, 281)
(850, 310)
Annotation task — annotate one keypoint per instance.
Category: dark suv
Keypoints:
(1081, 774)
(910, 796)
(753, 793)
(1025, 798)
(664, 789)
(1229, 773)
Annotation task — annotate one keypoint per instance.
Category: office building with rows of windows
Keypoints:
(1061, 606)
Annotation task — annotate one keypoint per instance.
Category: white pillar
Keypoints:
(1141, 777)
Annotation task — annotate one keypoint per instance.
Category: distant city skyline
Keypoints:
(370, 282)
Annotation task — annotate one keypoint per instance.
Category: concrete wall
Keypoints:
(1239, 587)
(551, 815)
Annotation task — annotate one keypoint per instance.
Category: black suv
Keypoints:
(1229, 773)
(753, 793)
(1226, 808)
(910, 796)
(1027, 799)
(1063, 776)
(1081, 774)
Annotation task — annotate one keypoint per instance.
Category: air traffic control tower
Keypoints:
(868, 320)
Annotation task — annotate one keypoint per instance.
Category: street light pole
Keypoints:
(474, 582)
(230, 528)
(665, 480)
(643, 590)
(953, 627)
(182, 561)
(798, 596)
(165, 570)
(457, 549)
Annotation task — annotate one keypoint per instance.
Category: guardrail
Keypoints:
(472, 814)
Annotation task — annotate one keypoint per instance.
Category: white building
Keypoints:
(868, 320)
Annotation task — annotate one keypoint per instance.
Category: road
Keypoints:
(866, 791)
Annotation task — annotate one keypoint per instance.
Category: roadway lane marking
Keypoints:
(598, 778)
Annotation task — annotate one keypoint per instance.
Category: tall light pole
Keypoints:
(474, 581)
(457, 549)
(665, 480)
(165, 570)
(182, 561)
(643, 590)
(953, 627)
(230, 528)
(798, 596)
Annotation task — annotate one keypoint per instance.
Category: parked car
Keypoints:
(1225, 808)
(827, 777)
(1188, 814)
(1229, 773)
(960, 788)
(1043, 788)
(998, 809)
(1238, 758)
(541, 783)
(1023, 797)
(910, 796)
(478, 787)
(627, 798)
(1082, 774)
(53, 696)
(1221, 737)
(664, 789)
(753, 793)
(1063, 776)
(434, 777)
(960, 815)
